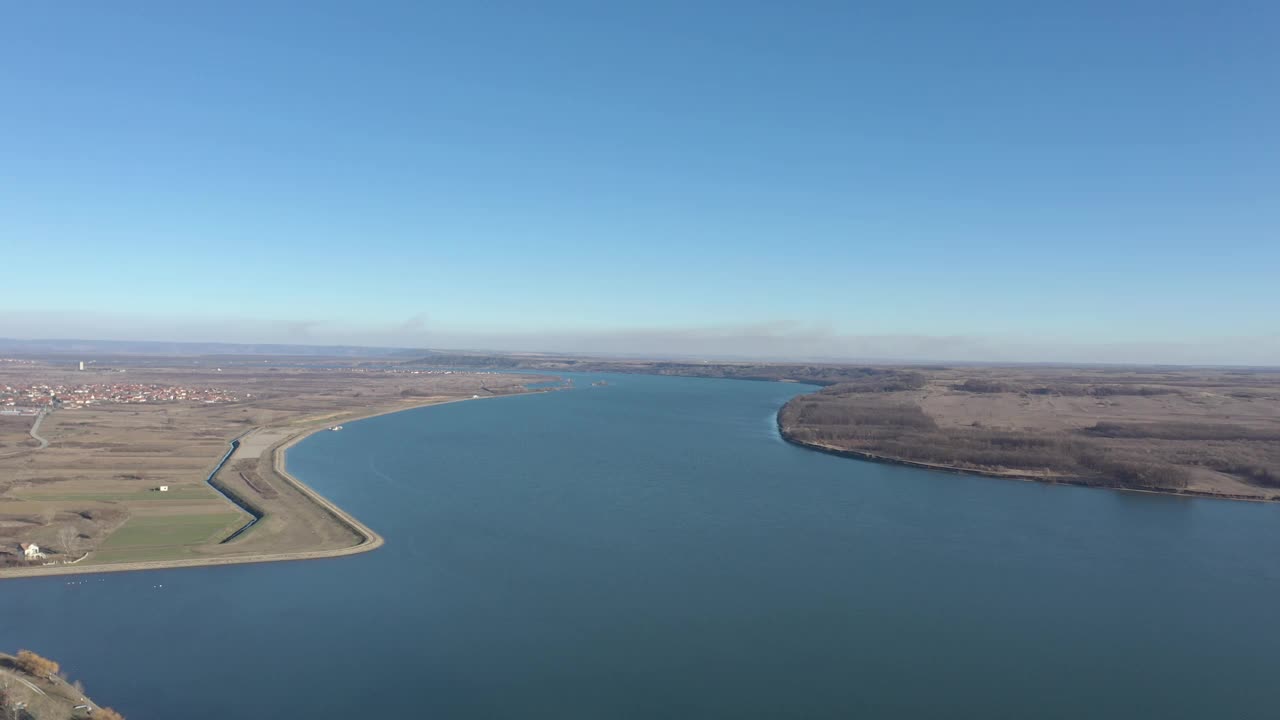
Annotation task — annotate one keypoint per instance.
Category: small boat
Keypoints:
(336, 428)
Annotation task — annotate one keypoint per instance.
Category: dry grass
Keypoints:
(99, 472)
(13, 434)
(1201, 431)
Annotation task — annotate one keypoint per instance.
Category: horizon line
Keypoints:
(550, 354)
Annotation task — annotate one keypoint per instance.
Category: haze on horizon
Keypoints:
(986, 182)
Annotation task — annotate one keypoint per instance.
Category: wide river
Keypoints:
(652, 549)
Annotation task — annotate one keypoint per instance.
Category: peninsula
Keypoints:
(1201, 432)
(180, 462)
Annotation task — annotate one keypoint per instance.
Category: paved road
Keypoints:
(35, 432)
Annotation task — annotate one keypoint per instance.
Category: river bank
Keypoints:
(548, 557)
(277, 454)
(47, 695)
(1185, 432)
(1046, 479)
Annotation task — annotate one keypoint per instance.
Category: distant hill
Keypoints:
(169, 349)
(814, 373)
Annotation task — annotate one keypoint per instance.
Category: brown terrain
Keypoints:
(13, 435)
(1185, 431)
(91, 499)
(35, 688)
(1176, 430)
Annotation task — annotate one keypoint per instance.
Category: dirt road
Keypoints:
(34, 432)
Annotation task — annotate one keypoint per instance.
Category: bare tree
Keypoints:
(69, 539)
(35, 665)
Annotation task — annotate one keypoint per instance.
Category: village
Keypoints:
(32, 398)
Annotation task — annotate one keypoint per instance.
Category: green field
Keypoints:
(150, 532)
(142, 553)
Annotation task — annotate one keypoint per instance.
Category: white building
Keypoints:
(31, 551)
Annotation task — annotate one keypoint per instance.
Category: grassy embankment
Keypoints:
(93, 490)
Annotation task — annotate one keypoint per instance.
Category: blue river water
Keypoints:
(653, 549)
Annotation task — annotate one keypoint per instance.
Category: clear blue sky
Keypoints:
(950, 179)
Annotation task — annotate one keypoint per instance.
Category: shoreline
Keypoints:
(57, 689)
(370, 539)
(1011, 475)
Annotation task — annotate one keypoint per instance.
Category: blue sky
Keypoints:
(932, 180)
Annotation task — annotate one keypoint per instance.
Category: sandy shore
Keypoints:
(369, 539)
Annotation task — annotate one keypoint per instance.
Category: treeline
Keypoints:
(464, 360)
(1063, 389)
(984, 386)
(35, 665)
(832, 411)
(871, 379)
(1254, 462)
(1181, 431)
(879, 381)
(815, 374)
(1251, 454)
(896, 429)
